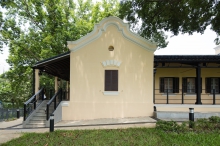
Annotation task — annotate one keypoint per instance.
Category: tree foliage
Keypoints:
(38, 29)
(154, 17)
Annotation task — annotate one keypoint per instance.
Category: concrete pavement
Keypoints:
(13, 129)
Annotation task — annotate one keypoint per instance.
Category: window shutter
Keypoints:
(208, 85)
(111, 80)
(161, 85)
(184, 85)
(107, 80)
(175, 85)
(114, 86)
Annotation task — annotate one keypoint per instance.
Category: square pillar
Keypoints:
(56, 85)
(37, 80)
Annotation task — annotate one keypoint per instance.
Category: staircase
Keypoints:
(39, 118)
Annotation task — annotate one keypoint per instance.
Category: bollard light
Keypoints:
(191, 117)
(51, 122)
(18, 113)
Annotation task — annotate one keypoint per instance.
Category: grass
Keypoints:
(122, 137)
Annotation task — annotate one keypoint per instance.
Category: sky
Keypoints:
(195, 44)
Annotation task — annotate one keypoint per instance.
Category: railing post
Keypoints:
(51, 94)
(214, 96)
(47, 111)
(43, 94)
(24, 112)
(35, 102)
(55, 102)
(64, 95)
(182, 95)
(61, 94)
(167, 96)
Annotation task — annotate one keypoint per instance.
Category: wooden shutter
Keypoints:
(111, 80)
(208, 85)
(161, 85)
(184, 86)
(175, 85)
(114, 86)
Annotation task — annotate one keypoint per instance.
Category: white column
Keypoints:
(67, 90)
(56, 85)
(37, 80)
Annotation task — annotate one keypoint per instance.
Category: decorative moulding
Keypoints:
(102, 26)
(111, 63)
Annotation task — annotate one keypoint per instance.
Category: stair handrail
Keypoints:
(56, 102)
(28, 105)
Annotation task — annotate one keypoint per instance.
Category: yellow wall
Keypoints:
(207, 98)
(135, 88)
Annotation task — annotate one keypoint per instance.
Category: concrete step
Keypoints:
(183, 115)
(38, 118)
(40, 114)
(37, 122)
(34, 125)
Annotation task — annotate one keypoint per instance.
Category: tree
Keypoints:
(154, 17)
(38, 29)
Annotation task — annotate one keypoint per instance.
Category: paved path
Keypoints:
(14, 129)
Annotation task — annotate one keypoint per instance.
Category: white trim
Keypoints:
(114, 93)
(111, 63)
(102, 26)
(65, 103)
(186, 105)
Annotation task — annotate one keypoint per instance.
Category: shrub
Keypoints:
(214, 119)
(170, 126)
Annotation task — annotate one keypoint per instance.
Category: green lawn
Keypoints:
(130, 136)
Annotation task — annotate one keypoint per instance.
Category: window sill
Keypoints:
(110, 93)
(170, 94)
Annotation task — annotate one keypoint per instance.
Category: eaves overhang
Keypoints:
(57, 66)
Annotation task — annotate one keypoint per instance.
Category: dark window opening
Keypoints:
(111, 80)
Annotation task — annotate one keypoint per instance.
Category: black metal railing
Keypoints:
(53, 103)
(184, 97)
(6, 114)
(33, 102)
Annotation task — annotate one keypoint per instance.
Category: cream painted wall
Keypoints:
(135, 88)
(185, 72)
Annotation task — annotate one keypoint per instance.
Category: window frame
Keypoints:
(111, 80)
(208, 85)
(185, 87)
(175, 84)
